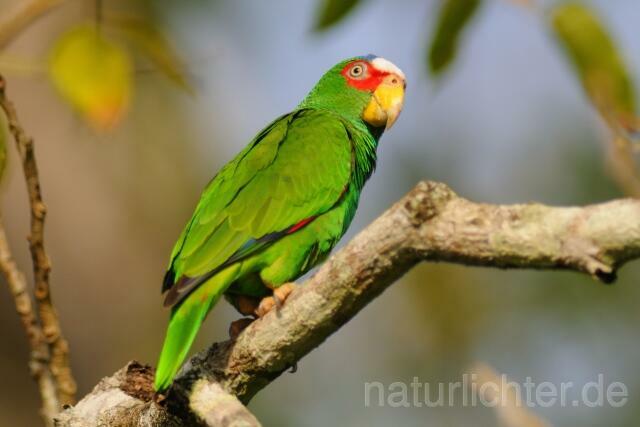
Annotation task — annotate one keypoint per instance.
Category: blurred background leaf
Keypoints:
(93, 74)
(453, 17)
(597, 60)
(606, 79)
(149, 40)
(330, 12)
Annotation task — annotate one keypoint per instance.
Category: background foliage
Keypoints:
(135, 105)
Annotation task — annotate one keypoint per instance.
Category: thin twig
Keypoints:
(623, 166)
(58, 348)
(98, 14)
(507, 401)
(23, 18)
(38, 363)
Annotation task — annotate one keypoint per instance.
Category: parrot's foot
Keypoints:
(237, 326)
(280, 294)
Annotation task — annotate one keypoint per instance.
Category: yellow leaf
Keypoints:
(597, 61)
(452, 19)
(93, 74)
(152, 43)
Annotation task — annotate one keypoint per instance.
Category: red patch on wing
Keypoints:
(299, 225)
(369, 81)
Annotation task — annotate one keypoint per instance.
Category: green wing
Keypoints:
(296, 169)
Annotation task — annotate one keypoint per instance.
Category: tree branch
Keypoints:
(25, 16)
(431, 223)
(39, 349)
(57, 356)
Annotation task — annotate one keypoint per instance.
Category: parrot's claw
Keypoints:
(237, 326)
(280, 295)
(265, 306)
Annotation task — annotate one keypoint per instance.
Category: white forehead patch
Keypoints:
(388, 66)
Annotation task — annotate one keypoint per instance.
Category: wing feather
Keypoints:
(297, 168)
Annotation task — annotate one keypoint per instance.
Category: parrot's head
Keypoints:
(368, 88)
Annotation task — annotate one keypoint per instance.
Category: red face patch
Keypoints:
(361, 75)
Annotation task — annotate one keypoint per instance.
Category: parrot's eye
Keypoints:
(357, 71)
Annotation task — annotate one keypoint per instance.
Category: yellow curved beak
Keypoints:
(386, 103)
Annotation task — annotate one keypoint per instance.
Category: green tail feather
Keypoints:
(184, 324)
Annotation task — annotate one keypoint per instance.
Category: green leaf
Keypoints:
(149, 40)
(453, 16)
(596, 59)
(93, 74)
(331, 12)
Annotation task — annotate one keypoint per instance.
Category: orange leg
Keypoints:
(280, 294)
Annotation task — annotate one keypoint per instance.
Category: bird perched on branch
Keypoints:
(279, 207)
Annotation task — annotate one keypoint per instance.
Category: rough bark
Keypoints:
(431, 223)
(49, 360)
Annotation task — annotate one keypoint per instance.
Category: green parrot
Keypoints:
(279, 207)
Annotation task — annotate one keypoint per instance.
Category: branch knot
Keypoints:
(426, 201)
